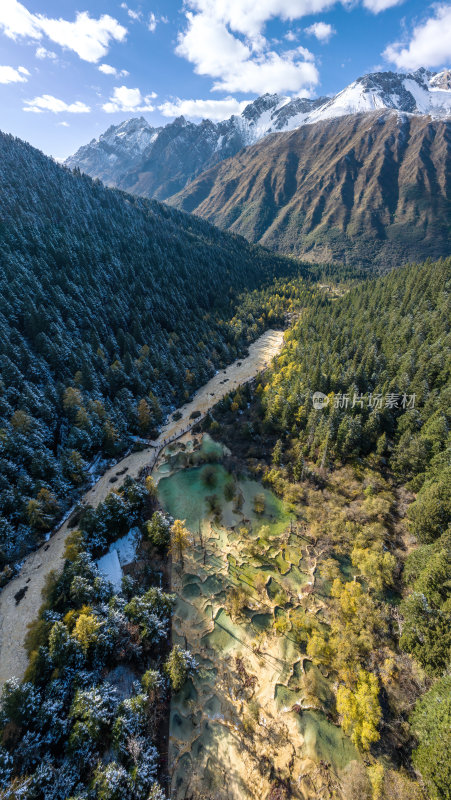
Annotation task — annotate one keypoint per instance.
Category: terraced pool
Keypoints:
(240, 717)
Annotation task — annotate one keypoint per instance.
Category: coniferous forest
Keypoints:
(369, 474)
(114, 309)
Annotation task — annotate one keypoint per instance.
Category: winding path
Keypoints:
(15, 617)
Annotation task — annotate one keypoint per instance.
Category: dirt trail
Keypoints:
(14, 618)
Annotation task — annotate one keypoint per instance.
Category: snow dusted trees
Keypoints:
(179, 665)
(104, 302)
(71, 728)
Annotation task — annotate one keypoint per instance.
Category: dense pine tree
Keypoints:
(114, 309)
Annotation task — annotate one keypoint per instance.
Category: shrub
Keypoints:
(360, 710)
(178, 667)
(158, 531)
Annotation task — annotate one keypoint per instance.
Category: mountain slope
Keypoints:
(158, 162)
(368, 188)
(113, 309)
(181, 151)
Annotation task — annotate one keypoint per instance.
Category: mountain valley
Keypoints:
(224, 451)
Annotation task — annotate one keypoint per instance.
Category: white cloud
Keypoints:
(109, 70)
(42, 52)
(306, 54)
(128, 101)
(88, 37)
(204, 109)
(430, 43)
(242, 66)
(248, 17)
(16, 20)
(63, 124)
(376, 6)
(47, 102)
(321, 30)
(12, 75)
(225, 40)
(134, 15)
(154, 21)
(208, 44)
(270, 73)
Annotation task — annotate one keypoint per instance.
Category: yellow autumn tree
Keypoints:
(180, 540)
(72, 399)
(319, 649)
(73, 545)
(349, 596)
(360, 710)
(48, 501)
(86, 630)
(144, 416)
(42, 509)
(151, 487)
(21, 421)
(81, 418)
(375, 565)
(35, 514)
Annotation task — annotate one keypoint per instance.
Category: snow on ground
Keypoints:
(126, 547)
(120, 553)
(111, 569)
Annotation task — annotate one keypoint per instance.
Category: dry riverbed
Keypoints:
(15, 617)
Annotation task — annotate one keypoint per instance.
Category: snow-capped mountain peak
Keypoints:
(160, 161)
(116, 149)
(441, 80)
(420, 92)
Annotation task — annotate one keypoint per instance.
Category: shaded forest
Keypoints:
(114, 309)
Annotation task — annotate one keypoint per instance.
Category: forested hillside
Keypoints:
(113, 310)
(369, 474)
(382, 340)
(367, 189)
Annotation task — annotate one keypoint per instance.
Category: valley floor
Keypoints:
(244, 724)
(21, 598)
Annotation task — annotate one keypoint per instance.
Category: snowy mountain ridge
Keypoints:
(421, 92)
(158, 162)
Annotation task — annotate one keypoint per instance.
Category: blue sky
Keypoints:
(69, 69)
